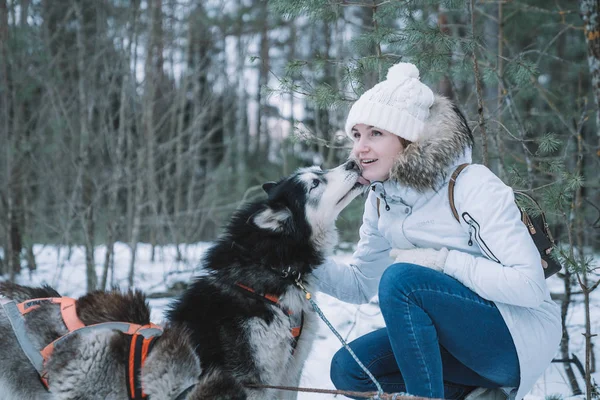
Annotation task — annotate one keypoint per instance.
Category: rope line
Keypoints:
(364, 395)
(341, 339)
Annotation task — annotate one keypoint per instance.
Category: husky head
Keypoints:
(310, 201)
(294, 227)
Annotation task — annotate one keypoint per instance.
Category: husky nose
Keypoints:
(351, 165)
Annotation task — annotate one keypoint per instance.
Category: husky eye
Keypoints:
(315, 183)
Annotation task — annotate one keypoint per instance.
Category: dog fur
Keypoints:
(265, 246)
(238, 337)
(91, 365)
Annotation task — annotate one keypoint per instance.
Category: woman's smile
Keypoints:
(376, 150)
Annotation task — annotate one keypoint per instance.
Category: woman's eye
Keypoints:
(376, 133)
(315, 183)
(356, 135)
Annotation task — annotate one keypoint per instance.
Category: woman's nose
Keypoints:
(360, 146)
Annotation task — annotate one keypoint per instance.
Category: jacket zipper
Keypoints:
(383, 194)
(475, 228)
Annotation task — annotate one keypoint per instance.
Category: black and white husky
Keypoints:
(248, 317)
(246, 322)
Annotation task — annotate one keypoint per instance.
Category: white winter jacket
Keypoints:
(491, 251)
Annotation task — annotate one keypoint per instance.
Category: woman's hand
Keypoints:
(430, 258)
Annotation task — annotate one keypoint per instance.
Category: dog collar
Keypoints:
(296, 320)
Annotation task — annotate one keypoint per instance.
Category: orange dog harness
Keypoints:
(296, 321)
(141, 337)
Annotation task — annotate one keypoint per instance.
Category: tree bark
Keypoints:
(153, 73)
(479, 91)
(12, 132)
(87, 187)
(262, 131)
(582, 275)
(137, 218)
(589, 10)
(241, 129)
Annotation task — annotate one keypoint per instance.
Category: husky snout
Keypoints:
(352, 165)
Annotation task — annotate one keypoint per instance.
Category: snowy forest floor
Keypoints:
(68, 277)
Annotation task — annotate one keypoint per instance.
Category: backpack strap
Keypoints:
(451, 185)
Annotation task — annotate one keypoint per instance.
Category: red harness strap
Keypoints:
(139, 348)
(142, 338)
(296, 322)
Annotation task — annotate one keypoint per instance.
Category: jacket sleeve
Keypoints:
(358, 281)
(511, 272)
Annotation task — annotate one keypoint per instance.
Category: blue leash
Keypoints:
(322, 316)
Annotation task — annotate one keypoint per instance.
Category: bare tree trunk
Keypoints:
(589, 10)
(445, 85)
(500, 93)
(243, 137)
(582, 275)
(12, 131)
(153, 72)
(87, 206)
(589, 347)
(130, 161)
(137, 218)
(113, 217)
(479, 89)
(262, 132)
(286, 147)
(492, 36)
(24, 12)
(199, 125)
(29, 254)
(564, 344)
(178, 131)
(109, 255)
(120, 169)
(4, 121)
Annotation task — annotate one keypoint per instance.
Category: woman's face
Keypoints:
(376, 150)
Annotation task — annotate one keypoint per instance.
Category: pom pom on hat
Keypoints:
(400, 104)
(402, 71)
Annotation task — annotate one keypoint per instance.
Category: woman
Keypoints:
(465, 304)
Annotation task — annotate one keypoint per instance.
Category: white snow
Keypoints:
(68, 277)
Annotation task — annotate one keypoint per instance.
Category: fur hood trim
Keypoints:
(446, 136)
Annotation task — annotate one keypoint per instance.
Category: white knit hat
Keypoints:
(400, 104)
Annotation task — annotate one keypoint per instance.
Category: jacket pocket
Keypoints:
(476, 229)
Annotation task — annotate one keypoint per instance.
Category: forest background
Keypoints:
(152, 120)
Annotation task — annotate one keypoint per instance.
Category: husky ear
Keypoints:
(271, 219)
(267, 187)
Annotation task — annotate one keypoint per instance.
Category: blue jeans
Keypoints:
(441, 340)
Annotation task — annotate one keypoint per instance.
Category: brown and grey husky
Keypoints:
(92, 364)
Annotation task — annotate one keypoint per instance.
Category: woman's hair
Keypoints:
(404, 142)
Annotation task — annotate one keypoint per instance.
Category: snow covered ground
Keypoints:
(68, 277)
